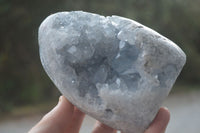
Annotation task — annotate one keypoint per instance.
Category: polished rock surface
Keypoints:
(112, 68)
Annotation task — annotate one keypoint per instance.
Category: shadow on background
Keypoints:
(22, 78)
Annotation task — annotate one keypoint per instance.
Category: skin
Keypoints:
(66, 118)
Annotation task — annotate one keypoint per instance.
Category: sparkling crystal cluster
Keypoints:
(112, 68)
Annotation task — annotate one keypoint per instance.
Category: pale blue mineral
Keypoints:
(112, 68)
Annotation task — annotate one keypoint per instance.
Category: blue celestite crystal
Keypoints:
(112, 68)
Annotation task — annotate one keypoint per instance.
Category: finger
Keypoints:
(101, 128)
(57, 119)
(77, 121)
(160, 122)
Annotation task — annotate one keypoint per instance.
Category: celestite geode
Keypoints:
(112, 68)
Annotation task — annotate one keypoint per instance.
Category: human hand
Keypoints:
(66, 118)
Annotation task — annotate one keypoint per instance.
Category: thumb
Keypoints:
(57, 120)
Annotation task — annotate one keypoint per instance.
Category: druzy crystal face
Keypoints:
(112, 68)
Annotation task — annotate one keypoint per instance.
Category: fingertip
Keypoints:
(63, 100)
(160, 122)
(63, 107)
(164, 112)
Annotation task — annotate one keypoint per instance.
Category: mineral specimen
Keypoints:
(112, 68)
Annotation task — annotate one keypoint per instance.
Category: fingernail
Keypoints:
(166, 108)
(60, 99)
